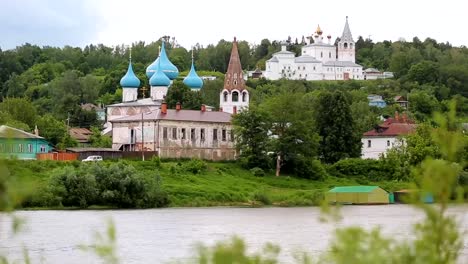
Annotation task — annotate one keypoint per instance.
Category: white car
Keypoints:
(92, 158)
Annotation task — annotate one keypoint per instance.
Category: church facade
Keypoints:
(319, 60)
(147, 125)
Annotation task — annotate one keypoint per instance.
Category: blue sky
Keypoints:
(113, 22)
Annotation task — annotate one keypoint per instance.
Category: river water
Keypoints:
(169, 235)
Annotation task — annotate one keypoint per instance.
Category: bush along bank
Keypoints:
(184, 183)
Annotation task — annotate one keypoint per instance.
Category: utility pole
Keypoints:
(68, 122)
(142, 139)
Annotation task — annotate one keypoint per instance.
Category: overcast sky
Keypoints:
(112, 22)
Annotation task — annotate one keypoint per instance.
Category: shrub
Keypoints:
(71, 187)
(309, 168)
(156, 161)
(195, 166)
(258, 172)
(362, 168)
(262, 197)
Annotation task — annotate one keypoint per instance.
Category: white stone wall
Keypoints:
(348, 53)
(321, 53)
(129, 94)
(227, 104)
(378, 146)
(158, 92)
(159, 136)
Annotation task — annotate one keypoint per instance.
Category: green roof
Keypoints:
(359, 189)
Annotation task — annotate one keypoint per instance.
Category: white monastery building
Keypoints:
(376, 142)
(319, 60)
(147, 125)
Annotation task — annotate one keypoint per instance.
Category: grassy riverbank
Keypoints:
(192, 184)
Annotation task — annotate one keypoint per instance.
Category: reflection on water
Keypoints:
(162, 235)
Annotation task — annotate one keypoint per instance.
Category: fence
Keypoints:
(57, 156)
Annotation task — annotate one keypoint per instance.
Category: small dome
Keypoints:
(130, 80)
(152, 68)
(192, 80)
(159, 79)
(166, 65)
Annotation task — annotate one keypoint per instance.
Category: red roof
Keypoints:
(392, 127)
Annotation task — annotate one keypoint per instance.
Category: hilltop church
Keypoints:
(148, 125)
(319, 60)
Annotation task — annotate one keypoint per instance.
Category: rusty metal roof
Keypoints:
(181, 115)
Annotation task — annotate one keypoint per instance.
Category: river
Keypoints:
(168, 235)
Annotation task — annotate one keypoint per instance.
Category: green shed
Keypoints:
(358, 195)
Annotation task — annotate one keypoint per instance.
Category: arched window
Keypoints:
(235, 96)
(244, 97)
(225, 96)
(235, 82)
(345, 45)
(321, 54)
(350, 45)
(329, 54)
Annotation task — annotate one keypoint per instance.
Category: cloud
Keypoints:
(47, 23)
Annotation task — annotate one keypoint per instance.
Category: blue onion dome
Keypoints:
(159, 79)
(193, 80)
(152, 68)
(130, 80)
(166, 65)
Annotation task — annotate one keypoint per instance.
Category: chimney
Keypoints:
(164, 107)
(203, 108)
(234, 110)
(178, 106)
(36, 131)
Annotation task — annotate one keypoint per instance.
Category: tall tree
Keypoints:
(251, 133)
(336, 126)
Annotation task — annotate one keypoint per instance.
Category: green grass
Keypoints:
(220, 184)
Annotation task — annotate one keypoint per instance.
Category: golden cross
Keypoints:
(143, 91)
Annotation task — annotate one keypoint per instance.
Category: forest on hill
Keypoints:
(46, 86)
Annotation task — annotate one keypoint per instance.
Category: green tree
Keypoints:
(336, 126)
(424, 72)
(98, 140)
(179, 92)
(252, 138)
(20, 109)
(51, 129)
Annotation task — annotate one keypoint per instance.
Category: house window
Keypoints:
(235, 96)
(232, 135)
(202, 134)
(321, 54)
(20, 148)
(369, 143)
(12, 148)
(43, 148)
(388, 143)
(215, 134)
(329, 54)
(30, 150)
(225, 96)
(164, 132)
(235, 82)
(298, 67)
(192, 134)
(2, 147)
(346, 45)
(244, 97)
(223, 135)
(314, 68)
(174, 133)
(183, 133)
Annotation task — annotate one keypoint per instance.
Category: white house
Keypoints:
(378, 141)
(319, 60)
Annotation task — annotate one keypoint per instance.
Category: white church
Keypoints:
(319, 60)
(148, 125)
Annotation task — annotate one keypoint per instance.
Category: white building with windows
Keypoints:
(319, 60)
(378, 141)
